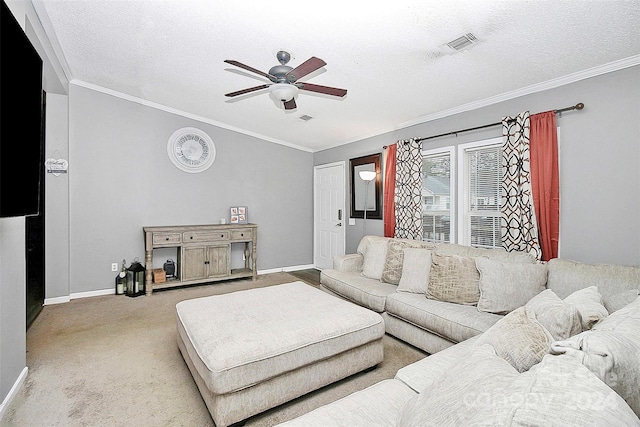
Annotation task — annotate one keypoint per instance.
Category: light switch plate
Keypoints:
(352, 221)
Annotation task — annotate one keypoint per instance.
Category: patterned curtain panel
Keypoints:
(518, 219)
(388, 203)
(408, 191)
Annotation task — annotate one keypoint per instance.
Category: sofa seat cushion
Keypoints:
(377, 405)
(486, 390)
(455, 322)
(421, 374)
(369, 293)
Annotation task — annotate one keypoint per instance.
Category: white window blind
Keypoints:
(482, 205)
(437, 203)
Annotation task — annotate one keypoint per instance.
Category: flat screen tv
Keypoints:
(21, 147)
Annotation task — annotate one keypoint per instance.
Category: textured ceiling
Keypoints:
(388, 55)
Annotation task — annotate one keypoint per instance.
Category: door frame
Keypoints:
(343, 165)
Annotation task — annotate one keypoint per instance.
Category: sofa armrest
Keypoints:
(348, 263)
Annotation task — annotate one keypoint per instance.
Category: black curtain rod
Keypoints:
(578, 106)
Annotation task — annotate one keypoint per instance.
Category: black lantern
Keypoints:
(135, 279)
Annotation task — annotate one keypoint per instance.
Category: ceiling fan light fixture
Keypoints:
(283, 91)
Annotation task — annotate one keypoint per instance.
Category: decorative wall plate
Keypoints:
(191, 150)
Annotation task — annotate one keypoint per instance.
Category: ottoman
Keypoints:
(252, 350)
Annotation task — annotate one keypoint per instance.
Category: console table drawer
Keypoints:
(166, 238)
(205, 236)
(241, 235)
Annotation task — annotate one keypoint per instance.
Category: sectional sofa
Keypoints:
(513, 341)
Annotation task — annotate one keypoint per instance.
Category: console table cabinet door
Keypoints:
(193, 263)
(218, 261)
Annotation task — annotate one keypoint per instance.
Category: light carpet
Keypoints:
(113, 361)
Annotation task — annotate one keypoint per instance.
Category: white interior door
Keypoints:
(329, 216)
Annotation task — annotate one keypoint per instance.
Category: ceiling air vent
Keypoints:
(305, 118)
(463, 42)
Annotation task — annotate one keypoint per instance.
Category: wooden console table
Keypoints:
(204, 252)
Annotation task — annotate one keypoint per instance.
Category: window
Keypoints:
(437, 196)
(479, 185)
(477, 219)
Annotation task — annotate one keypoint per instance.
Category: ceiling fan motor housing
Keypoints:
(280, 72)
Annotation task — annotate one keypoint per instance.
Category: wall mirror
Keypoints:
(361, 189)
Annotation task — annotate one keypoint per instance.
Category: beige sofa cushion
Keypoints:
(519, 339)
(453, 279)
(621, 299)
(356, 288)
(415, 270)
(588, 302)
(566, 277)
(449, 249)
(455, 322)
(374, 258)
(394, 261)
(611, 351)
(524, 336)
(505, 286)
(486, 390)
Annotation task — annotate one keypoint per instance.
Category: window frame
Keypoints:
(463, 215)
(450, 151)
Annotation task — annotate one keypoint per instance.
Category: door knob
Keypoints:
(339, 224)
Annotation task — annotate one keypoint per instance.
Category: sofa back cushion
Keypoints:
(566, 277)
(449, 249)
(505, 286)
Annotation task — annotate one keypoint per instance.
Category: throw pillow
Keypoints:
(392, 269)
(507, 286)
(484, 390)
(561, 319)
(519, 338)
(415, 271)
(453, 279)
(610, 350)
(588, 302)
(374, 257)
(622, 299)
(524, 336)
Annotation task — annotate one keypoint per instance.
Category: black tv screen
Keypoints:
(21, 156)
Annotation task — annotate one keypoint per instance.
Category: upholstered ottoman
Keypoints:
(251, 350)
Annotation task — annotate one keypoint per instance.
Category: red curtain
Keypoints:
(545, 181)
(388, 203)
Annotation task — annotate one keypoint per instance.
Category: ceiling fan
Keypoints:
(284, 84)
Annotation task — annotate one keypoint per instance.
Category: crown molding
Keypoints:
(185, 114)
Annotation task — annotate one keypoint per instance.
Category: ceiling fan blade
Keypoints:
(322, 89)
(308, 66)
(253, 70)
(243, 91)
(290, 105)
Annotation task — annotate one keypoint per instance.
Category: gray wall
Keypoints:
(121, 179)
(13, 323)
(599, 161)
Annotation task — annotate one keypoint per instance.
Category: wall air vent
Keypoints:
(305, 118)
(463, 42)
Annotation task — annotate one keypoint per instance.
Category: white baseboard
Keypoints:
(14, 391)
(76, 295)
(287, 269)
(60, 300)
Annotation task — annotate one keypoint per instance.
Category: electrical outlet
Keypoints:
(114, 266)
